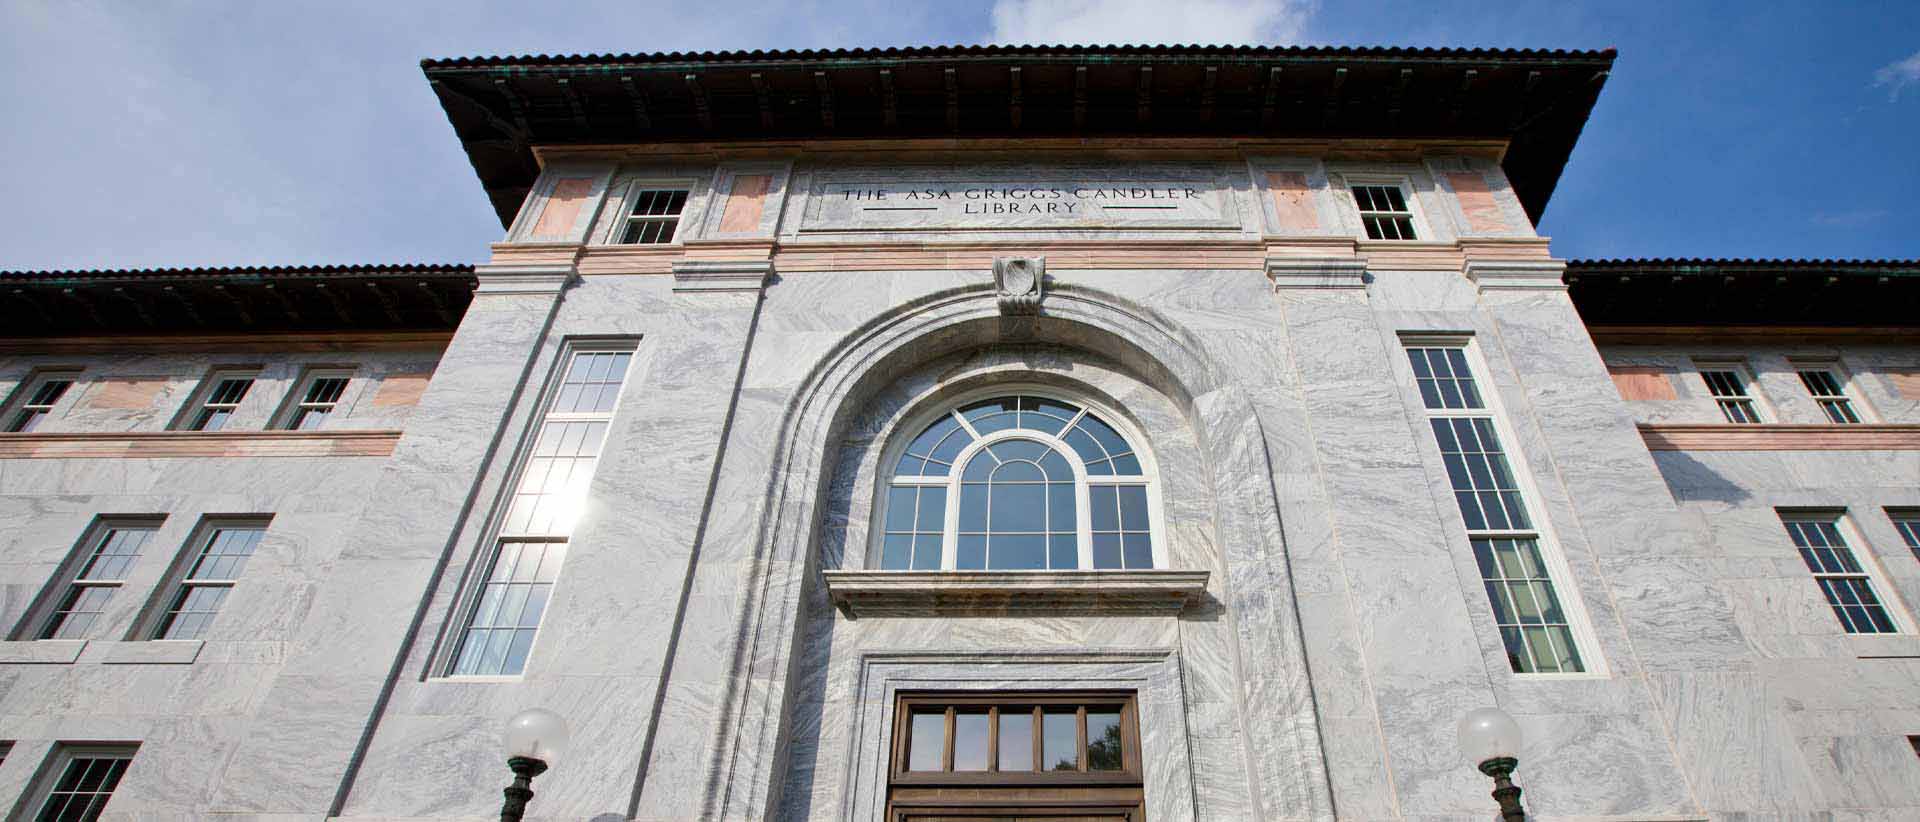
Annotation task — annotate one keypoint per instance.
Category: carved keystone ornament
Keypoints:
(1020, 282)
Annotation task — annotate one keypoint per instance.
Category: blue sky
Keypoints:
(164, 132)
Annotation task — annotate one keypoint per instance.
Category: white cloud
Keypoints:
(1897, 75)
(1102, 22)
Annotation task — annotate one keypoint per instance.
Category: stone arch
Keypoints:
(745, 779)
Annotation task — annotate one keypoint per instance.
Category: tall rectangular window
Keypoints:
(1831, 394)
(315, 399)
(1384, 212)
(655, 217)
(1728, 385)
(548, 494)
(1535, 629)
(1907, 522)
(198, 588)
(1845, 581)
(90, 580)
(35, 400)
(79, 781)
(215, 400)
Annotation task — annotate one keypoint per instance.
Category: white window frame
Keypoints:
(1750, 384)
(199, 402)
(177, 583)
(903, 434)
(22, 399)
(1843, 379)
(1559, 571)
(295, 403)
(1863, 553)
(40, 616)
(473, 586)
(1422, 229)
(63, 755)
(624, 215)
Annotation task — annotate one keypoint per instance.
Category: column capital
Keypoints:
(1508, 275)
(721, 275)
(1316, 272)
(522, 279)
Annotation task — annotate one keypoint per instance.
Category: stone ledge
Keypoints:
(1726, 436)
(166, 444)
(721, 275)
(1508, 275)
(992, 593)
(153, 652)
(522, 278)
(1316, 272)
(41, 651)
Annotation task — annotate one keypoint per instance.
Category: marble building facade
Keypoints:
(1330, 449)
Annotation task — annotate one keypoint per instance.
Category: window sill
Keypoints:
(152, 652)
(996, 593)
(42, 651)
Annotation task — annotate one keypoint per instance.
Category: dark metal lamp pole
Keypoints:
(524, 768)
(1491, 740)
(1504, 791)
(533, 739)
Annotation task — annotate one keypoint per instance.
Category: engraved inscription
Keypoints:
(990, 204)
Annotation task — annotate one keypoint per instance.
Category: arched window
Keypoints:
(1018, 483)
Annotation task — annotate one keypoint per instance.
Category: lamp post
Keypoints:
(1491, 740)
(534, 739)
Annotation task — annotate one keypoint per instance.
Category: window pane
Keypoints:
(970, 741)
(1527, 609)
(510, 606)
(1016, 739)
(1017, 552)
(928, 740)
(1059, 740)
(1103, 741)
(1020, 508)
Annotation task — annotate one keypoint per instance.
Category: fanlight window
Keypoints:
(1017, 483)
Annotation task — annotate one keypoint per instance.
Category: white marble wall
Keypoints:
(691, 646)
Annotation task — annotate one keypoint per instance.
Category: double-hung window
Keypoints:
(36, 400)
(1727, 382)
(79, 781)
(1907, 522)
(92, 577)
(1829, 391)
(1384, 211)
(198, 588)
(315, 398)
(548, 494)
(1515, 565)
(1844, 579)
(214, 402)
(655, 216)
